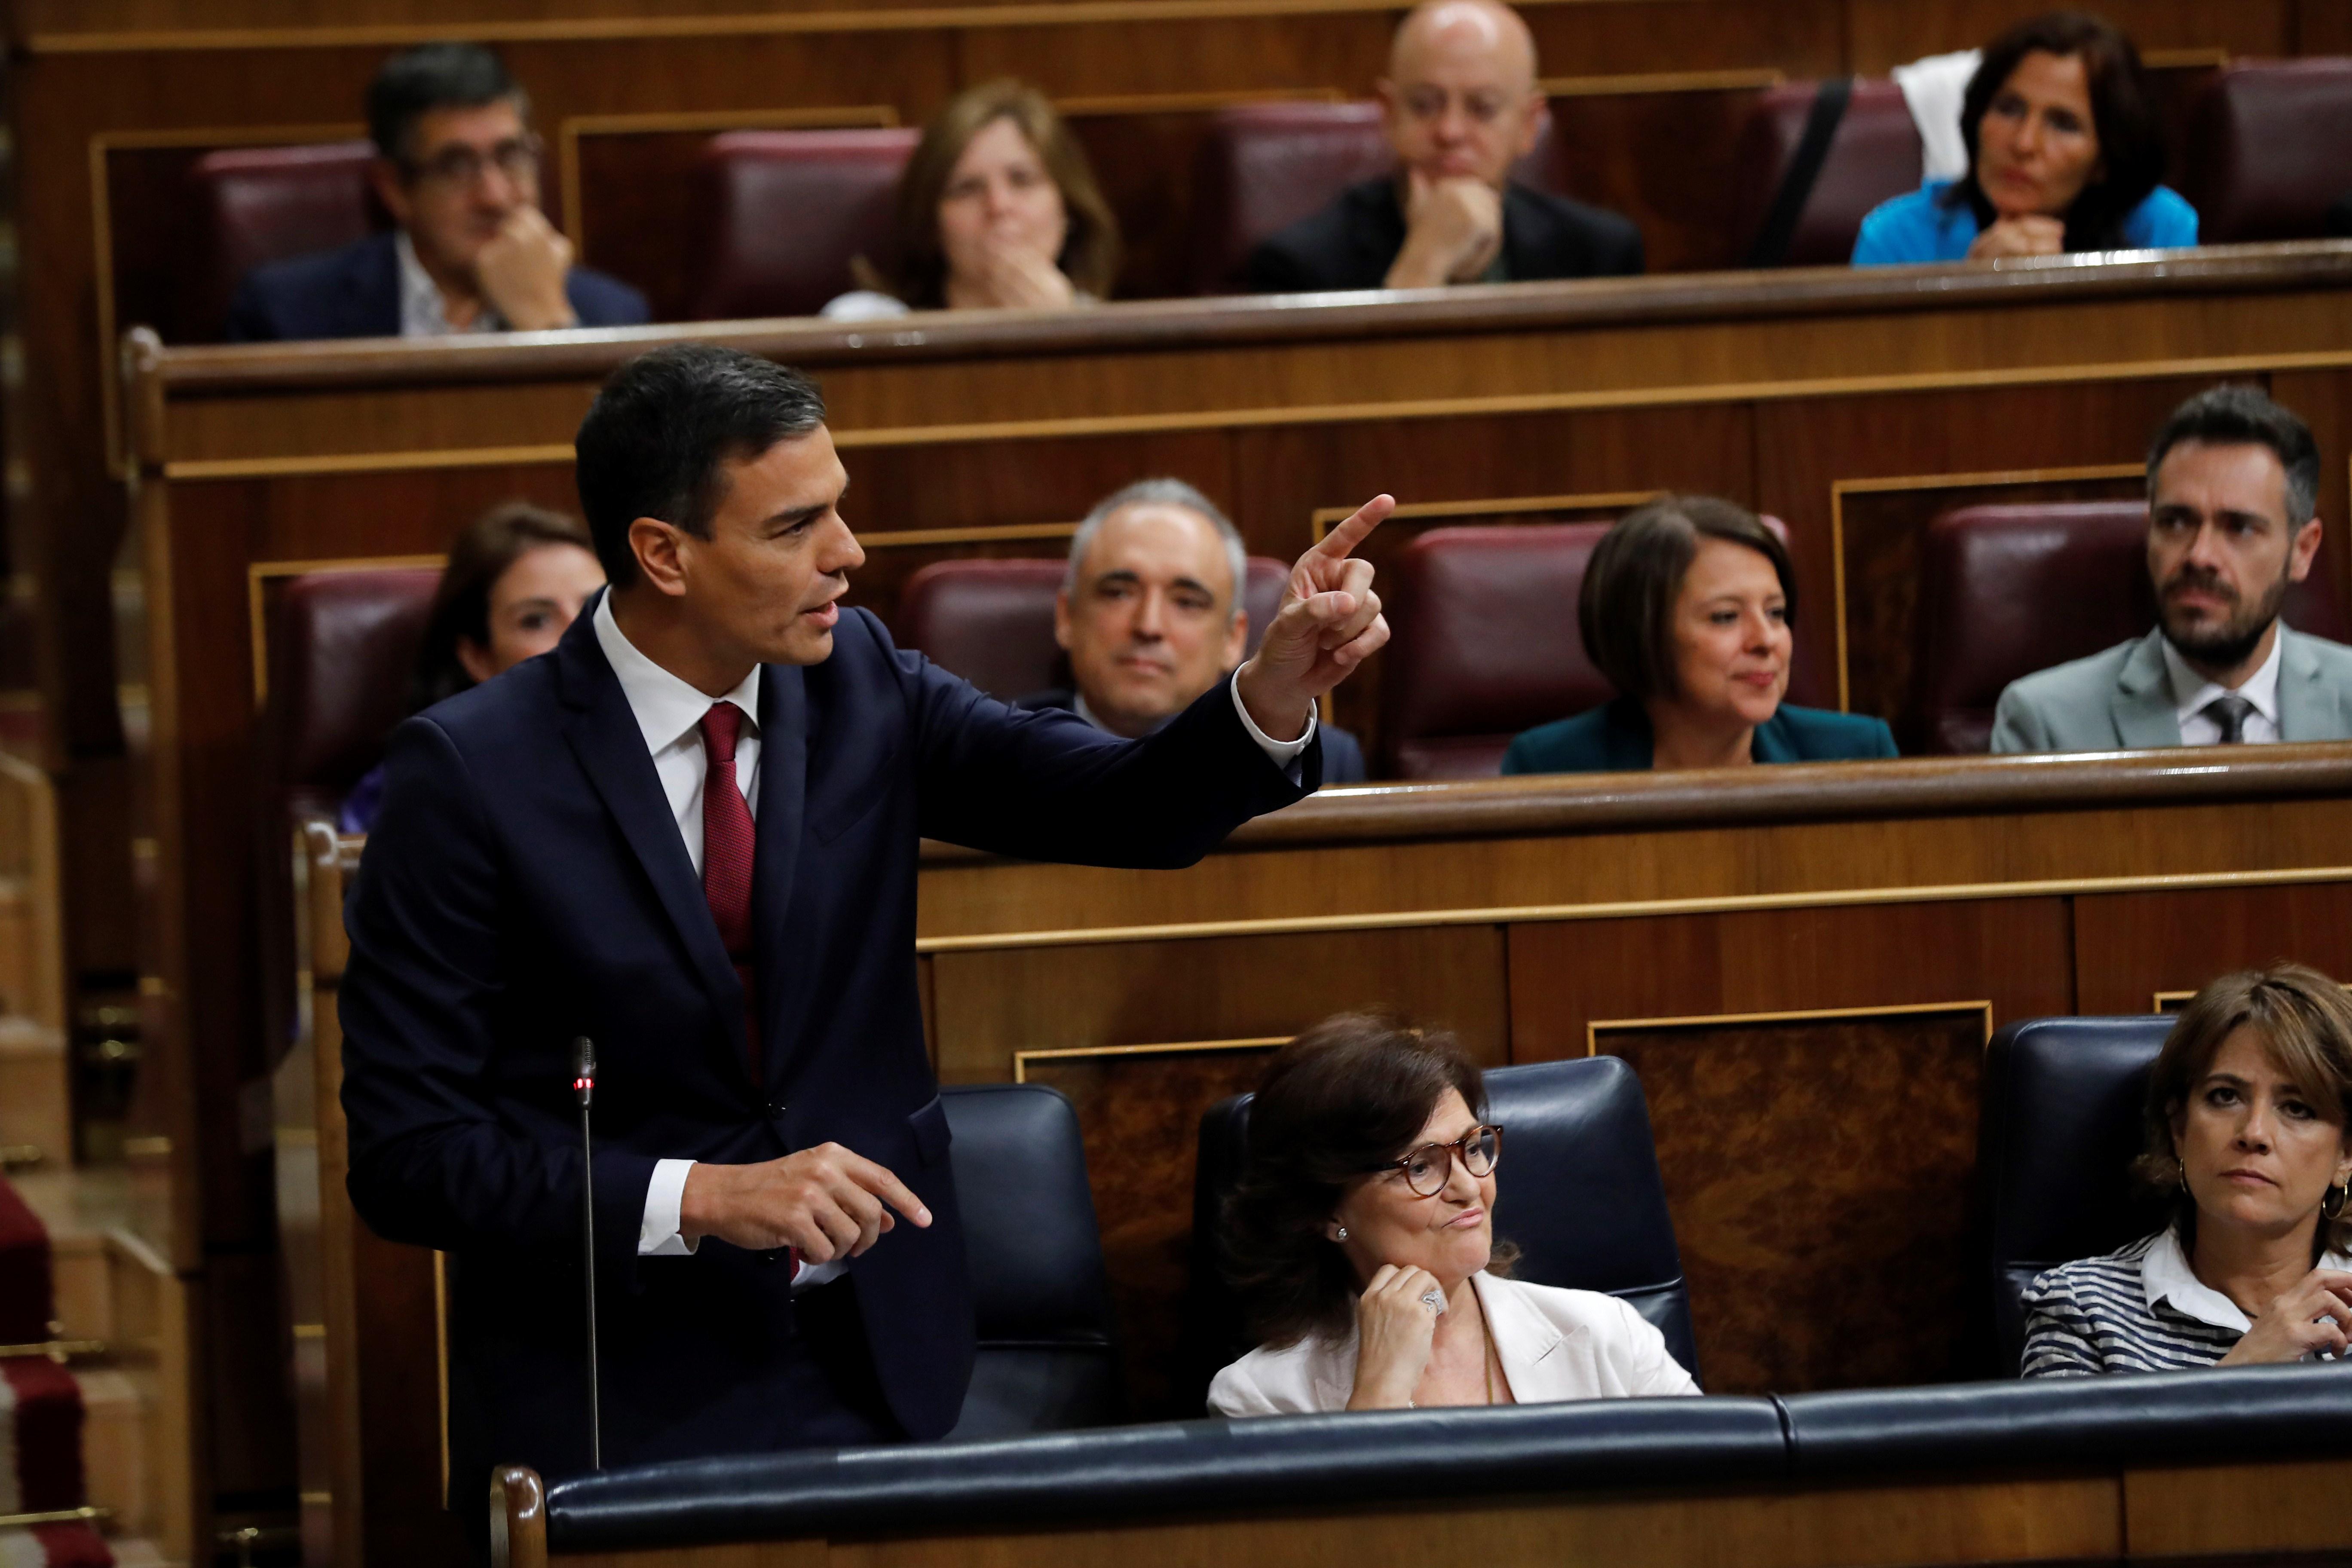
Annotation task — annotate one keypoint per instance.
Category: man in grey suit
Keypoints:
(2233, 484)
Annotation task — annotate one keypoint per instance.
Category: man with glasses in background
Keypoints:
(456, 166)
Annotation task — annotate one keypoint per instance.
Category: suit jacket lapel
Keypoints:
(783, 810)
(604, 735)
(2142, 704)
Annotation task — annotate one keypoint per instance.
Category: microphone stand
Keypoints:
(583, 1085)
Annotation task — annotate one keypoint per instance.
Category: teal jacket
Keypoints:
(1615, 738)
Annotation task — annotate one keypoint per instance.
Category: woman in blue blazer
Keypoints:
(1686, 608)
(2064, 154)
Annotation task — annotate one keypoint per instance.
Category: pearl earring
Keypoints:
(1343, 1234)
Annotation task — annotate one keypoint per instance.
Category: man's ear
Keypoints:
(383, 176)
(1237, 638)
(659, 548)
(1061, 619)
(2301, 552)
(1539, 117)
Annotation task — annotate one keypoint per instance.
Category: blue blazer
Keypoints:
(1343, 754)
(355, 292)
(526, 883)
(1614, 738)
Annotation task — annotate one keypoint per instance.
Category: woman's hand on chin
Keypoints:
(1394, 1327)
(2025, 235)
(2313, 1316)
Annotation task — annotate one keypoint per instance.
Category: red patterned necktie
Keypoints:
(728, 842)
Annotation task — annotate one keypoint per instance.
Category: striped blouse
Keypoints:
(2139, 1309)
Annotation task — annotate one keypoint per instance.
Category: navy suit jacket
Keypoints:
(1352, 243)
(1343, 755)
(526, 883)
(355, 292)
(1614, 738)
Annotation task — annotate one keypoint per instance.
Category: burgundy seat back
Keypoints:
(252, 204)
(343, 646)
(1264, 167)
(2267, 150)
(778, 216)
(1875, 155)
(991, 622)
(2005, 591)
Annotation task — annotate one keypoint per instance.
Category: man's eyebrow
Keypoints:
(1121, 575)
(801, 514)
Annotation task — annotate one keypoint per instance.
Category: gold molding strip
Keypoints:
(1640, 83)
(905, 538)
(630, 29)
(86, 1514)
(259, 573)
(58, 1351)
(1191, 103)
(1594, 1026)
(1320, 522)
(1991, 480)
(2156, 1001)
(367, 462)
(568, 131)
(1021, 1059)
(1736, 903)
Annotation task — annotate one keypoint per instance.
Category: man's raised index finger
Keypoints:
(877, 1180)
(1350, 533)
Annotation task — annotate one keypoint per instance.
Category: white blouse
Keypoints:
(1553, 1344)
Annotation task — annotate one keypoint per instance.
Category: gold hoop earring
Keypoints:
(2182, 1171)
(2337, 1197)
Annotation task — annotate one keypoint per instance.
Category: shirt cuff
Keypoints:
(1283, 754)
(657, 1234)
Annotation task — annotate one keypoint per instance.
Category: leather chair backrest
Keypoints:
(2266, 150)
(778, 216)
(1264, 167)
(1875, 155)
(343, 646)
(991, 622)
(1578, 1190)
(252, 204)
(2008, 590)
(2060, 1125)
(1047, 1359)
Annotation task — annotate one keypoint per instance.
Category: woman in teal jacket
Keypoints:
(1686, 608)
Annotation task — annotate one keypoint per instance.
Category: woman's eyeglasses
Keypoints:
(1427, 1167)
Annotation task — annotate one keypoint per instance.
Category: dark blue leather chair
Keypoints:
(1047, 1361)
(1578, 1190)
(2060, 1127)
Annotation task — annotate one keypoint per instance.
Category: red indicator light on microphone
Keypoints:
(584, 1083)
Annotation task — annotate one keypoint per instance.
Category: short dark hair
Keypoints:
(1626, 611)
(654, 441)
(2122, 112)
(478, 557)
(1336, 1104)
(2306, 1022)
(2245, 416)
(415, 81)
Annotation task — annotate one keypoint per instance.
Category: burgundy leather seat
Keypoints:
(991, 622)
(2005, 591)
(1873, 155)
(252, 204)
(2266, 150)
(343, 646)
(1264, 167)
(777, 216)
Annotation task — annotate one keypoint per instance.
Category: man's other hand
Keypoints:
(522, 269)
(825, 1202)
(1329, 623)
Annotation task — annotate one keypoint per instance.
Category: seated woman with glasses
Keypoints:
(1688, 606)
(2249, 1135)
(1361, 1240)
(998, 209)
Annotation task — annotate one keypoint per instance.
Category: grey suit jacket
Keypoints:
(2121, 699)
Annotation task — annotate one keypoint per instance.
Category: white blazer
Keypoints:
(1554, 1344)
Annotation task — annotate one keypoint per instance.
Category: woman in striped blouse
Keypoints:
(2247, 1110)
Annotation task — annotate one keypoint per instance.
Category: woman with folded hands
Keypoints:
(1361, 1240)
(1687, 607)
(2064, 154)
(998, 209)
(2247, 1110)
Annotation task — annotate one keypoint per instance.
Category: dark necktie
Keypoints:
(2230, 712)
(729, 843)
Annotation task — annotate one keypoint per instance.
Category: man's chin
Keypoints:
(801, 645)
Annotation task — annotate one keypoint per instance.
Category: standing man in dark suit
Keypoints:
(457, 167)
(689, 833)
(1152, 613)
(1462, 105)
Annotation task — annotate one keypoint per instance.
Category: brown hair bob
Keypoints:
(1626, 611)
(478, 557)
(1336, 1104)
(2304, 1019)
(1091, 252)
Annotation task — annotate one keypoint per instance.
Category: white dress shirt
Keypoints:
(2191, 692)
(670, 715)
(422, 312)
(1553, 1344)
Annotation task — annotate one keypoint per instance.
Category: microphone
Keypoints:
(583, 1087)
